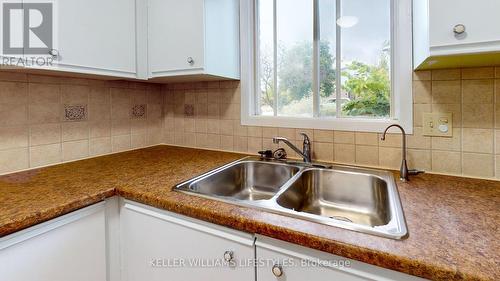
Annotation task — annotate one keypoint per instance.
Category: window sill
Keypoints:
(344, 124)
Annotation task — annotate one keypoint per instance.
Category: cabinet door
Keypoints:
(159, 246)
(480, 17)
(295, 269)
(96, 36)
(176, 35)
(71, 247)
(297, 263)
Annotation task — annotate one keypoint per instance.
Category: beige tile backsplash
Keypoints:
(207, 115)
(472, 95)
(33, 132)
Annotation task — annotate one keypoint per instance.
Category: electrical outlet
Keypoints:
(438, 124)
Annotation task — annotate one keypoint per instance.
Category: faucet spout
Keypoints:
(403, 171)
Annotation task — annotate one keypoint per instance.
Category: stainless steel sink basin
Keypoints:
(352, 197)
(245, 180)
(364, 200)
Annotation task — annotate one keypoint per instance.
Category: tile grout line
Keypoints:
(88, 121)
(60, 123)
(432, 109)
(495, 164)
(28, 100)
(462, 122)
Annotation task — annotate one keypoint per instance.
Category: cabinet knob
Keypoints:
(459, 29)
(277, 270)
(54, 53)
(228, 256)
(190, 60)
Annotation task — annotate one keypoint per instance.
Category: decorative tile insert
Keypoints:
(139, 111)
(188, 110)
(75, 113)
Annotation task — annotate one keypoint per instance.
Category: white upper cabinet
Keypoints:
(453, 33)
(176, 36)
(479, 18)
(96, 36)
(195, 38)
(162, 39)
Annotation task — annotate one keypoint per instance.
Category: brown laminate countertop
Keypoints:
(452, 221)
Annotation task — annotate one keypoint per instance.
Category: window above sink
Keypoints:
(301, 57)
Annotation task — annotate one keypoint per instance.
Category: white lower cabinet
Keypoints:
(121, 240)
(71, 247)
(282, 261)
(280, 265)
(159, 245)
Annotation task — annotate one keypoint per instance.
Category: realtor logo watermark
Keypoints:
(27, 34)
(260, 262)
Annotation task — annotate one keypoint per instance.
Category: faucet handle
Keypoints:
(280, 154)
(266, 154)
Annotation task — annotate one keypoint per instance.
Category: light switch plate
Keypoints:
(438, 124)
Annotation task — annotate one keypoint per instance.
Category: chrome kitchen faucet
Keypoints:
(306, 146)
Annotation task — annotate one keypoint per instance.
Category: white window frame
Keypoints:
(401, 79)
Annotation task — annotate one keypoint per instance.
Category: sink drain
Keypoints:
(340, 218)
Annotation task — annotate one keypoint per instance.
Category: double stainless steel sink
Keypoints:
(364, 200)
